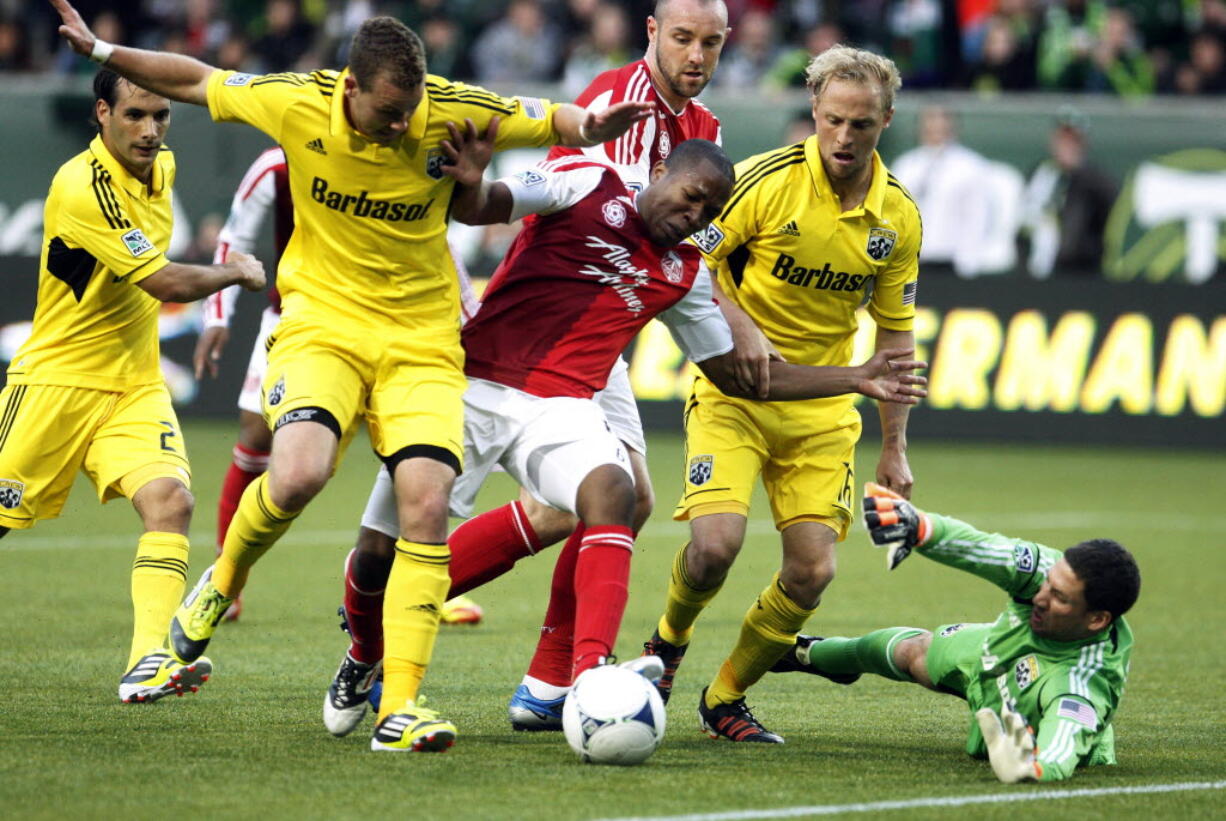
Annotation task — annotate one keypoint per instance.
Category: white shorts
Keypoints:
(620, 409)
(547, 445)
(249, 398)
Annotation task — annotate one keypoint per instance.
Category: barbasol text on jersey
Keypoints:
(825, 278)
(361, 205)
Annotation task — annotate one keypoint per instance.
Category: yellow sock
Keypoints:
(769, 629)
(159, 576)
(256, 526)
(416, 589)
(684, 603)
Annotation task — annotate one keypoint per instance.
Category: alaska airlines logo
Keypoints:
(627, 276)
(823, 278)
(364, 206)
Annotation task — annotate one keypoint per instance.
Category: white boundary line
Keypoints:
(920, 803)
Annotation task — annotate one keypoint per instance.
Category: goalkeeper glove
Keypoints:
(1010, 745)
(893, 523)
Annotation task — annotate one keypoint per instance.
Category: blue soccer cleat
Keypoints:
(527, 712)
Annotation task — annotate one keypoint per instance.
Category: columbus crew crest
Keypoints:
(434, 163)
(277, 393)
(881, 242)
(700, 469)
(11, 492)
(1026, 671)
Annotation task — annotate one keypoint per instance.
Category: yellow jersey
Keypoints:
(103, 232)
(370, 220)
(800, 265)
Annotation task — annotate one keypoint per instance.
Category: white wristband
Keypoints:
(583, 135)
(102, 52)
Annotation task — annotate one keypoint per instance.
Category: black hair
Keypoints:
(692, 152)
(384, 45)
(1111, 577)
(106, 84)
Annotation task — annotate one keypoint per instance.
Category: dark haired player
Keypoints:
(85, 392)
(1055, 660)
(370, 310)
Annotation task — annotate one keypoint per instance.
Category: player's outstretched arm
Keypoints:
(894, 523)
(476, 201)
(887, 376)
(580, 128)
(175, 76)
(178, 282)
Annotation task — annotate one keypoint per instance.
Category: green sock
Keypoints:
(871, 653)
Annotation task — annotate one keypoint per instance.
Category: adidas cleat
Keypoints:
(349, 695)
(733, 722)
(159, 674)
(413, 729)
(796, 660)
(193, 623)
(671, 655)
(527, 712)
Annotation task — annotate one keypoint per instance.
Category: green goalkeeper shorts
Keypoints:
(953, 656)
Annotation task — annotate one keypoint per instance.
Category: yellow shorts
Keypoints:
(122, 441)
(804, 452)
(408, 385)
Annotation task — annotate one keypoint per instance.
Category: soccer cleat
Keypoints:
(649, 667)
(349, 694)
(671, 655)
(461, 610)
(159, 674)
(413, 729)
(527, 712)
(733, 722)
(193, 623)
(796, 660)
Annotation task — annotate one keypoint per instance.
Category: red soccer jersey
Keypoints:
(635, 152)
(579, 282)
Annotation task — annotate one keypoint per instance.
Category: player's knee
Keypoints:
(911, 655)
(606, 497)
(708, 559)
(293, 486)
(644, 504)
(549, 524)
(165, 505)
(805, 581)
(426, 505)
(253, 432)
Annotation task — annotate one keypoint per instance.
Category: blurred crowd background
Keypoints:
(1129, 48)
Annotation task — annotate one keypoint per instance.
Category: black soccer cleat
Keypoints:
(733, 722)
(671, 655)
(791, 662)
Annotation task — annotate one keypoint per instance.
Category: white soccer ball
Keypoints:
(613, 716)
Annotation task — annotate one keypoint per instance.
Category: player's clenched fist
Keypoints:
(250, 270)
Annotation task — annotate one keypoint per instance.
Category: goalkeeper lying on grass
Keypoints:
(1044, 680)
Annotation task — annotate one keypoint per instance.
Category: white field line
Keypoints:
(921, 803)
(1016, 523)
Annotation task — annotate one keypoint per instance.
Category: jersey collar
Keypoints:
(338, 124)
(120, 175)
(874, 201)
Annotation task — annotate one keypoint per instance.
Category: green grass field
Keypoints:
(252, 744)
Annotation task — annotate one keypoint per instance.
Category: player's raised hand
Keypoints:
(893, 523)
(468, 152)
(250, 269)
(74, 29)
(1010, 745)
(209, 345)
(614, 121)
(888, 377)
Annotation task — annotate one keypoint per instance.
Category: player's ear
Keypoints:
(1098, 620)
(658, 170)
(889, 115)
(351, 86)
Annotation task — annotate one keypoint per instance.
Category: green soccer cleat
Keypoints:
(413, 729)
(193, 623)
(159, 674)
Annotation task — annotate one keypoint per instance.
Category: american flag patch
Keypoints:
(908, 293)
(534, 107)
(1078, 711)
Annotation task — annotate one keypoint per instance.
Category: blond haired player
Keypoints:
(370, 311)
(85, 392)
(810, 231)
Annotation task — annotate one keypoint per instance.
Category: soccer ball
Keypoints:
(613, 716)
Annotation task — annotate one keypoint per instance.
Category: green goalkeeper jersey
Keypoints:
(1068, 691)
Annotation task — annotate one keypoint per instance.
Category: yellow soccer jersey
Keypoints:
(370, 232)
(800, 266)
(103, 231)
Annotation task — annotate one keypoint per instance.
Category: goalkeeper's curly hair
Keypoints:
(1111, 577)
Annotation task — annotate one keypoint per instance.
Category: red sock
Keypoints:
(602, 575)
(553, 659)
(246, 466)
(364, 611)
(486, 546)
